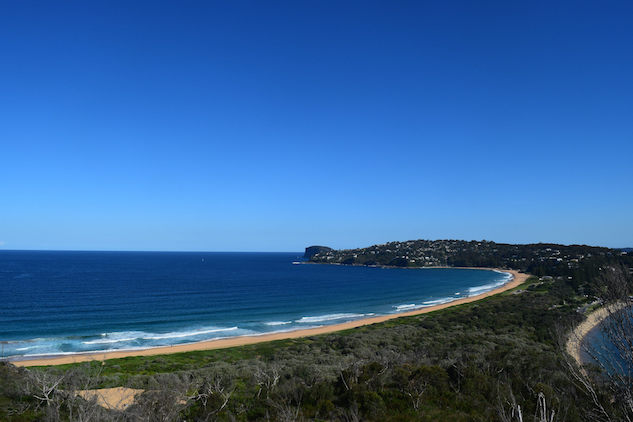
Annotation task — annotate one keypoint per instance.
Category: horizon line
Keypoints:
(311, 245)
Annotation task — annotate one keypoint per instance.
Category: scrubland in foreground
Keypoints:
(477, 361)
(502, 358)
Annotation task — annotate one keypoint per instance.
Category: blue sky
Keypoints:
(270, 126)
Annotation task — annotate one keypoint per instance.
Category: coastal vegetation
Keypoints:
(579, 265)
(498, 359)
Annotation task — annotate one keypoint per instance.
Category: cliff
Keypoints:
(313, 250)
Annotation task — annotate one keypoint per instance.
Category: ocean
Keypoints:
(63, 302)
(599, 348)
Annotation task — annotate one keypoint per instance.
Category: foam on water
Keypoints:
(485, 288)
(144, 300)
(473, 291)
(110, 341)
(438, 301)
(110, 338)
(329, 317)
(275, 323)
(187, 333)
(406, 307)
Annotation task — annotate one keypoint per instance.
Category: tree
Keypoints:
(612, 354)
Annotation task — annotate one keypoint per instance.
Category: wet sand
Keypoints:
(518, 278)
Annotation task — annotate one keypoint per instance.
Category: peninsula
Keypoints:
(474, 358)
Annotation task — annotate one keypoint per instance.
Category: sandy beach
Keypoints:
(574, 342)
(518, 278)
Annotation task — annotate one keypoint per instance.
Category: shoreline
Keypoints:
(578, 334)
(227, 342)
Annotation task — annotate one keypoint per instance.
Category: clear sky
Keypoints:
(270, 126)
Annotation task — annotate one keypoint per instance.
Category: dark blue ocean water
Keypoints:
(69, 302)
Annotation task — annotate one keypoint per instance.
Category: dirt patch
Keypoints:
(118, 398)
